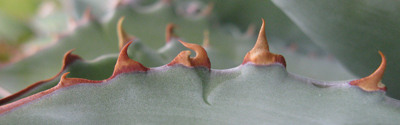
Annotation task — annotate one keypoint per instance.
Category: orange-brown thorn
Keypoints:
(166, 1)
(120, 3)
(72, 24)
(87, 15)
(4, 92)
(170, 32)
(125, 64)
(182, 58)
(201, 58)
(65, 82)
(250, 30)
(206, 39)
(69, 58)
(373, 81)
(260, 54)
(208, 9)
(123, 37)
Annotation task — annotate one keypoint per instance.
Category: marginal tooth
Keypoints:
(87, 16)
(72, 24)
(123, 37)
(207, 10)
(260, 54)
(125, 64)
(182, 58)
(262, 42)
(373, 81)
(4, 92)
(170, 32)
(206, 39)
(250, 30)
(69, 58)
(120, 3)
(65, 82)
(166, 2)
(201, 58)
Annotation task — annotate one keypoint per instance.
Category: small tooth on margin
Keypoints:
(125, 64)
(201, 58)
(123, 37)
(373, 81)
(170, 32)
(206, 39)
(260, 54)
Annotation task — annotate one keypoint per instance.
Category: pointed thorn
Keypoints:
(121, 2)
(123, 37)
(208, 9)
(170, 32)
(125, 64)
(87, 16)
(72, 24)
(4, 92)
(182, 58)
(373, 81)
(166, 2)
(260, 54)
(206, 39)
(262, 38)
(69, 58)
(201, 58)
(65, 82)
(250, 30)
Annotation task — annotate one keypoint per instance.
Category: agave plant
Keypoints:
(232, 79)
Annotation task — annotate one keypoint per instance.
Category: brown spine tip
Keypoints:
(260, 54)
(87, 15)
(250, 30)
(125, 64)
(206, 39)
(201, 58)
(65, 82)
(69, 58)
(121, 2)
(373, 81)
(170, 32)
(208, 9)
(123, 37)
(182, 58)
(4, 92)
(72, 24)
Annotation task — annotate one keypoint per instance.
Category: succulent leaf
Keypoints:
(238, 88)
(248, 93)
